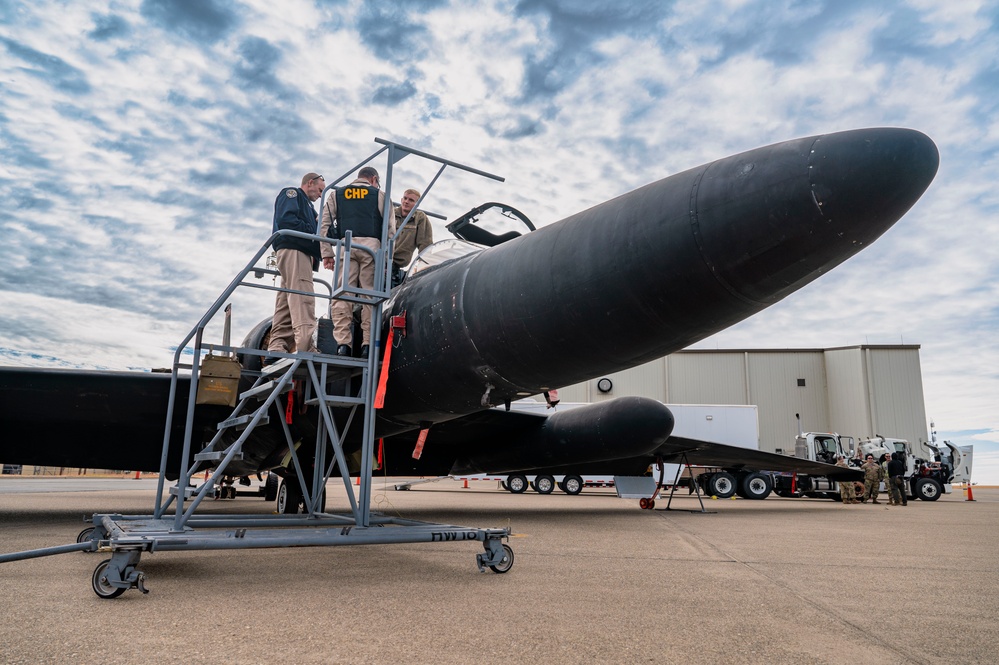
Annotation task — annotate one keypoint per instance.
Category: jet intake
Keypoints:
(614, 429)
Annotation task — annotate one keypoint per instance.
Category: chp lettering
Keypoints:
(355, 193)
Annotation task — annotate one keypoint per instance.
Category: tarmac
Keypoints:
(595, 579)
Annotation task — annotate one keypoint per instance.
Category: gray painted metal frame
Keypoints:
(126, 537)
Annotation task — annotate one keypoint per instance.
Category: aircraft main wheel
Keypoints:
(928, 489)
(516, 484)
(756, 486)
(572, 485)
(99, 581)
(289, 498)
(271, 487)
(721, 485)
(507, 562)
(544, 484)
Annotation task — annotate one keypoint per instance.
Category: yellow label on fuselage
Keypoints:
(355, 193)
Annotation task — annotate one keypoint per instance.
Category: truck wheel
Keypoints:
(928, 489)
(721, 485)
(572, 485)
(516, 484)
(756, 486)
(544, 484)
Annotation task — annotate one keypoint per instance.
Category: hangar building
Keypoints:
(858, 391)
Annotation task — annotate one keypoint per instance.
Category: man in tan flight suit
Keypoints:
(415, 236)
(358, 208)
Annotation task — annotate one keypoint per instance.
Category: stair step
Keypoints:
(336, 400)
(242, 421)
(264, 390)
(215, 456)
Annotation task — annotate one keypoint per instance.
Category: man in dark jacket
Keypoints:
(896, 480)
(294, 323)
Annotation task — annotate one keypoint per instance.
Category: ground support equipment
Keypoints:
(693, 481)
(340, 393)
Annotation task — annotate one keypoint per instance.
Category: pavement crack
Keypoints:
(716, 554)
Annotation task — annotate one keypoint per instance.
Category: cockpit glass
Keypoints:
(442, 251)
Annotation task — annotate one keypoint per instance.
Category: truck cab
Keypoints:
(927, 479)
(822, 446)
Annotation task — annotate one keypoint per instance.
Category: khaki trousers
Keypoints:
(294, 322)
(362, 275)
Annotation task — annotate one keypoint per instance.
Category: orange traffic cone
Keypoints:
(138, 475)
(971, 495)
(466, 483)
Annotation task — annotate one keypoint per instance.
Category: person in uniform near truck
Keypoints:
(896, 480)
(874, 473)
(847, 489)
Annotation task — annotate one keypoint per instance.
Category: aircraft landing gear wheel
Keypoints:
(289, 498)
(271, 487)
(516, 484)
(647, 504)
(84, 535)
(506, 563)
(99, 581)
(544, 484)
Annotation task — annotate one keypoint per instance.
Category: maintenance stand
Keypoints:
(325, 381)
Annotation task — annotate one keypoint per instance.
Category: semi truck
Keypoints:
(926, 479)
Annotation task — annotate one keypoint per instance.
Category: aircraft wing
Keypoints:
(621, 436)
(709, 453)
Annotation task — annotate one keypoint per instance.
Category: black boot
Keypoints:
(364, 351)
(343, 350)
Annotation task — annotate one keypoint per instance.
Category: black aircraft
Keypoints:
(627, 281)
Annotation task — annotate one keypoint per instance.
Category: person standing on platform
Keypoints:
(358, 208)
(294, 322)
(415, 236)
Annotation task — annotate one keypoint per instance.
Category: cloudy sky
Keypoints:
(143, 143)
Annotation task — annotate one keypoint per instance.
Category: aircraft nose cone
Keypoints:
(839, 192)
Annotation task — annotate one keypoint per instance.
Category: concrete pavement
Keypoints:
(595, 580)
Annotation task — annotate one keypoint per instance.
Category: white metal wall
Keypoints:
(857, 391)
(695, 377)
